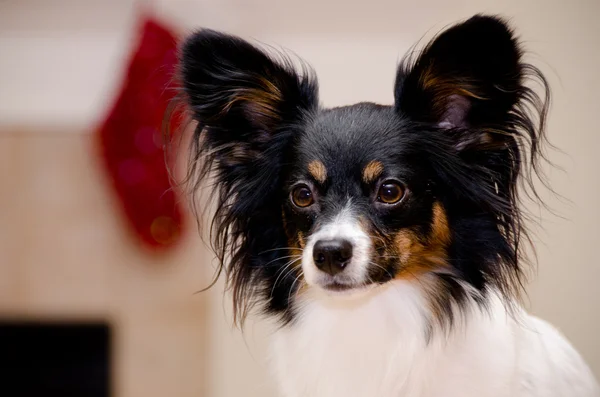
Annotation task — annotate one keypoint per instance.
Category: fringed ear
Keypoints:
(470, 90)
(468, 77)
(237, 89)
(248, 106)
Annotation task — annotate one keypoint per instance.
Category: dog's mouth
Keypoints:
(339, 287)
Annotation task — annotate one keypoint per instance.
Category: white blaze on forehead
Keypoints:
(344, 225)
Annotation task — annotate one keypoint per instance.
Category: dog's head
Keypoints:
(346, 199)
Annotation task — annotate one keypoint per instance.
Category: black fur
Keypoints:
(464, 128)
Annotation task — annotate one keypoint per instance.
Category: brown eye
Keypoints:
(302, 196)
(390, 192)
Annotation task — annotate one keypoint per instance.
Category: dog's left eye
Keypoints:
(302, 196)
(390, 192)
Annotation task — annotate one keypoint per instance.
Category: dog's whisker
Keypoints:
(290, 265)
(292, 288)
(281, 249)
(282, 257)
(382, 268)
(300, 275)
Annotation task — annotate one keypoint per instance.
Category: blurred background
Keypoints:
(98, 278)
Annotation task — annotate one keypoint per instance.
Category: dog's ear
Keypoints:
(242, 95)
(481, 111)
(469, 76)
(249, 107)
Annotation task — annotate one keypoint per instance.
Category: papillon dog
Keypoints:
(387, 241)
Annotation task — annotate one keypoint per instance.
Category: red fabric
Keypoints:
(131, 140)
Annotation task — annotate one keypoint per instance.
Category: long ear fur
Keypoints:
(470, 90)
(248, 107)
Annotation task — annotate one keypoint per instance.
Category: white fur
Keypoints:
(343, 226)
(374, 345)
(372, 342)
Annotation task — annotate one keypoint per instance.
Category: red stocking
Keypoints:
(131, 140)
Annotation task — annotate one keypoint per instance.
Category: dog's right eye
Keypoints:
(302, 196)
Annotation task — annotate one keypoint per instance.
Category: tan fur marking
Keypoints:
(419, 256)
(440, 230)
(301, 240)
(295, 246)
(442, 88)
(318, 171)
(261, 102)
(430, 79)
(372, 171)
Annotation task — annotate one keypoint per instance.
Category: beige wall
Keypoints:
(60, 61)
(66, 254)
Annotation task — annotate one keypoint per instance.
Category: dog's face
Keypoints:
(359, 202)
(345, 199)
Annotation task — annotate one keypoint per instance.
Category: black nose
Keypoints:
(332, 256)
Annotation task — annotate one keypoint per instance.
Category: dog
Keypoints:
(387, 241)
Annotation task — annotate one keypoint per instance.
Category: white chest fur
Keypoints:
(376, 346)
